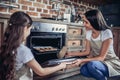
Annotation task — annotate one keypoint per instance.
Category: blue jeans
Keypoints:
(95, 69)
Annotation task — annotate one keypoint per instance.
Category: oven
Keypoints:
(46, 40)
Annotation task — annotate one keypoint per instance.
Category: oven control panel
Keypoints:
(49, 27)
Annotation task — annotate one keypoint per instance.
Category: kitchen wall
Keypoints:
(43, 8)
(111, 13)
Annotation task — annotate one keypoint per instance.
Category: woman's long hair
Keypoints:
(96, 19)
(12, 39)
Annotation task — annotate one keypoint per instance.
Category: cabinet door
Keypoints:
(116, 36)
(118, 44)
(3, 24)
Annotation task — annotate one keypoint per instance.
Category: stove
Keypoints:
(46, 40)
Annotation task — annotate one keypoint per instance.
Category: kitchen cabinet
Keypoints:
(75, 37)
(3, 24)
(116, 35)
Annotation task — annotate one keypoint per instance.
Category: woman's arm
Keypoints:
(35, 66)
(104, 49)
(101, 57)
(83, 53)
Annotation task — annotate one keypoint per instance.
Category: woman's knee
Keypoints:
(83, 68)
(92, 64)
(84, 71)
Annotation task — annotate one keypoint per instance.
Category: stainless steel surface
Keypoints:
(54, 62)
(49, 27)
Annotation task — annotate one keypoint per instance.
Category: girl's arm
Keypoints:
(35, 66)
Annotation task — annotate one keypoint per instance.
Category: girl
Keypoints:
(15, 58)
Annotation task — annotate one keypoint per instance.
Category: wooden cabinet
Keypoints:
(116, 35)
(75, 37)
(3, 24)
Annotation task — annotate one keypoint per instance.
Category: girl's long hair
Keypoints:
(12, 39)
(96, 19)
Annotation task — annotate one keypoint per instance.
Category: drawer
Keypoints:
(75, 32)
(73, 37)
(77, 48)
(73, 43)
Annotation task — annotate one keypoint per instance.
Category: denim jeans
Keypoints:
(95, 69)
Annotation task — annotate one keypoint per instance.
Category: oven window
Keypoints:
(43, 42)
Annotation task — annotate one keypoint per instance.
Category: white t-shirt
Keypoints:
(106, 34)
(23, 56)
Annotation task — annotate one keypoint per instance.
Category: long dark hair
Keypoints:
(12, 39)
(96, 19)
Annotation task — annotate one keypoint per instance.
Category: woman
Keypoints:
(15, 58)
(101, 61)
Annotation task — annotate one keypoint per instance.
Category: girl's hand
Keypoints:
(64, 64)
(67, 65)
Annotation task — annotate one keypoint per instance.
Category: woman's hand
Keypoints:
(77, 62)
(68, 54)
(68, 65)
(72, 64)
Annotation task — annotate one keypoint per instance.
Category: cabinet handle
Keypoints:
(73, 43)
(74, 32)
